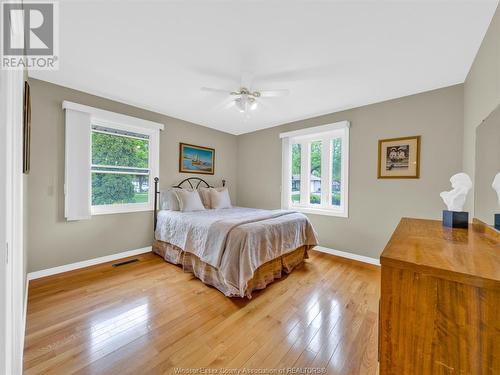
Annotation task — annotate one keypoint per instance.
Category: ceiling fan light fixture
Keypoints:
(245, 99)
(240, 104)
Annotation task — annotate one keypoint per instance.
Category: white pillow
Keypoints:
(220, 199)
(164, 200)
(205, 196)
(189, 200)
(168, 200)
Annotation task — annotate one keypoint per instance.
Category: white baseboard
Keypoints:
(125, 254)
(344, 254)
(86, 263)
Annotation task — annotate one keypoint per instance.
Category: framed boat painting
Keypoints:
(196, 159)
(399, 157)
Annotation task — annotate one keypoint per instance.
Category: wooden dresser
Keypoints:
(440, 300)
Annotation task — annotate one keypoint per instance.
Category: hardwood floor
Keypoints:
(150, 317)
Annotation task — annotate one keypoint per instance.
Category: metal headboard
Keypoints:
(194, 183)
(198, 182)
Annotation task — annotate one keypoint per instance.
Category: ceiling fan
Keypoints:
(246, 99)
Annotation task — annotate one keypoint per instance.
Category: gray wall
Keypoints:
(375, 206)
(481, 91)
(252, 165)
(54, 241)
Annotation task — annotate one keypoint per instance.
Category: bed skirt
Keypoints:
(263, 275)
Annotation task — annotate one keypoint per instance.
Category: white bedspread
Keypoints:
(238, 240)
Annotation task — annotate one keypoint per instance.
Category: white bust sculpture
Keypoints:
(496, 185)
(455, 199)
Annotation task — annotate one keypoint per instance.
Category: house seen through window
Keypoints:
(316, 165)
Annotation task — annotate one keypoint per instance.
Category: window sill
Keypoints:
(320, 211)
(120, 209)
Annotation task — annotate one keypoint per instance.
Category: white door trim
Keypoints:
(4, 276)
(12, 88)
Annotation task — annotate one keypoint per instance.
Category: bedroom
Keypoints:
(310, 130)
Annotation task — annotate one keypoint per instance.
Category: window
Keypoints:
(120, 168)
(315, 169)
(111, 160)
(123, 165)
(296, 168)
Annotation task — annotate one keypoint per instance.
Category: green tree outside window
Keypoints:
(119, 151)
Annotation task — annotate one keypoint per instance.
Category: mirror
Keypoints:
(487, 166)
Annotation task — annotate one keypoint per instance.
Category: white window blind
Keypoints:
(77, 166)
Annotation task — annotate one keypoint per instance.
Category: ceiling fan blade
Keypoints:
(263, 105)
(215, 74)
(246, 80)
(220, 91)
(311, 73)
(274, 93)
(222, 105)
(229, 105)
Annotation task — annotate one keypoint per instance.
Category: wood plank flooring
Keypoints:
(150, 317)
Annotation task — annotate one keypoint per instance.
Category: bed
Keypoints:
(237, 250)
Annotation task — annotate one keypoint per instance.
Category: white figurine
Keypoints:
(455, 199)
(496, 185)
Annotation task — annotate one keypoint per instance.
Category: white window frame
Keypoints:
(130, 124)
(153, 160)
(304, 137)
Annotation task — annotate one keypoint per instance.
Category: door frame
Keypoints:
(11, 221)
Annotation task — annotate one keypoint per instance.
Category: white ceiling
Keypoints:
(331, 55)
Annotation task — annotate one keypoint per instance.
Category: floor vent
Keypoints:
(126, 262)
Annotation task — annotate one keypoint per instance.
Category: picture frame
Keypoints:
(26, 128)
(196, 159)
(399, 157)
